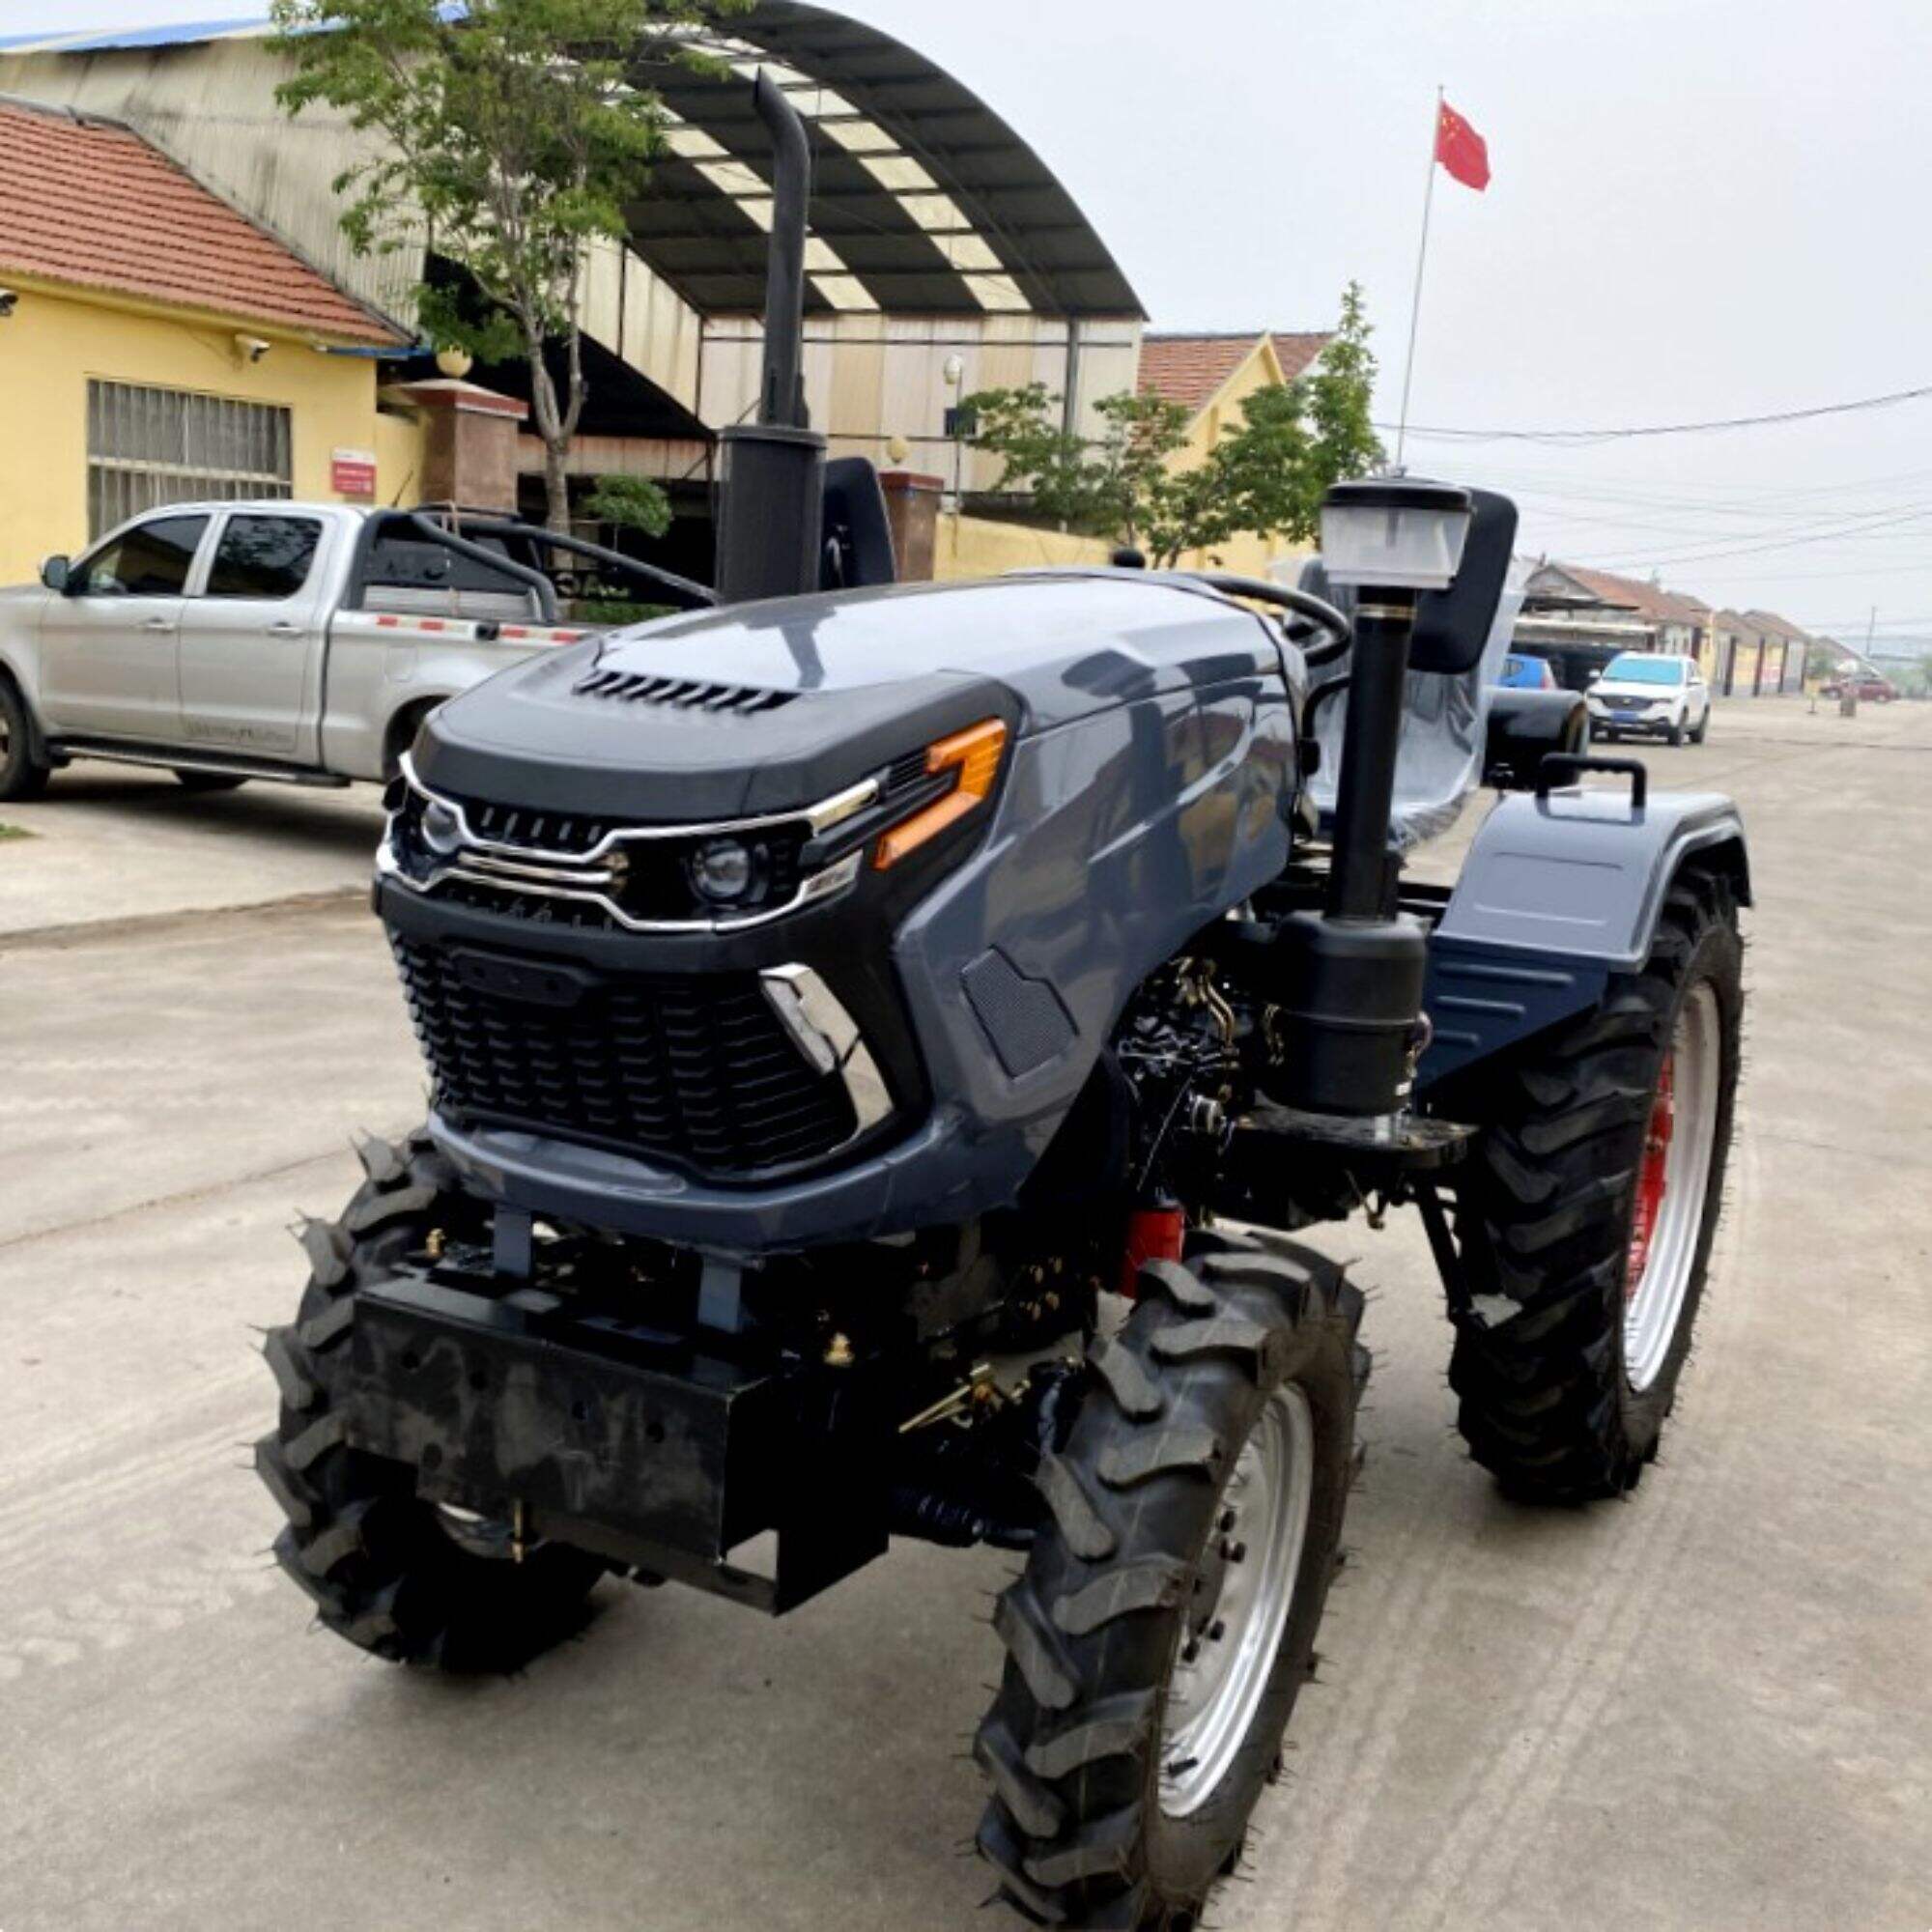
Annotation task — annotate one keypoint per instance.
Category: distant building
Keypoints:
(939, 239)
(1579, 618)
(1757, 653)
(1780, 664)
(161, 346)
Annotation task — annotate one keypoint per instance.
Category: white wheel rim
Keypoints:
(1215, 1692)
(1656, 1293)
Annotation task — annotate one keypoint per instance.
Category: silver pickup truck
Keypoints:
(302, 642)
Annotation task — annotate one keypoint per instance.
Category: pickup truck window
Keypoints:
(264, 557)
(404, 574)
(153, 560)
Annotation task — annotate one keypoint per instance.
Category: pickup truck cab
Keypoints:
(297, 642)
(1651, 693)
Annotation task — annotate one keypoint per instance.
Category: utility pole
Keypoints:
(1848, 685)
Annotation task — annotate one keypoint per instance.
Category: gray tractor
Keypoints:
(884, 1040)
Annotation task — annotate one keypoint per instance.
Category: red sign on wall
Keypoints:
(352, 472)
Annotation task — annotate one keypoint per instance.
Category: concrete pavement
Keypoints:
(1706, 1708)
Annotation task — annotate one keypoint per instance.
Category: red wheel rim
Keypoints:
(1653, 1175)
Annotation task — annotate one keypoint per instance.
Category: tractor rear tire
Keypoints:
(385, 1570)
(1564, 1365)
(1225, 1408)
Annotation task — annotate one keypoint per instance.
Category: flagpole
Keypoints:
(1421, 262)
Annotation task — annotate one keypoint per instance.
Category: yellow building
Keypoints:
(1213, 377)
(156, 346)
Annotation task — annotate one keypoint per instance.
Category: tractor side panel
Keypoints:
(1118, 840)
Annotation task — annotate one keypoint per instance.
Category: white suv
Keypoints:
(1641, 692)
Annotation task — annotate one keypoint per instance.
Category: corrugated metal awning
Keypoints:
(924, 201)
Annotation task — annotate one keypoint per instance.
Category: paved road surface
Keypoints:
(1707, 1708)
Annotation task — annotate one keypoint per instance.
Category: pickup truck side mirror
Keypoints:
(54, 574)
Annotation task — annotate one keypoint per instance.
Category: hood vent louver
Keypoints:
(682, 694)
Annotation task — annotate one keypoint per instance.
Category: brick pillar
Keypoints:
(912, 508)
(469, 442)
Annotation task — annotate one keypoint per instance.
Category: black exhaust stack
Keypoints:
(771, 514)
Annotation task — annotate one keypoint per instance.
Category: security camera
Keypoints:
(251, 348)
(9, 301)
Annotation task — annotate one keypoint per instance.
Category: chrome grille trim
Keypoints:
(544, 872)
(829, 1037)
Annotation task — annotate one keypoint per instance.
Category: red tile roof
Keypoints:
(1192, 370)
(89, 203)
(1778, 627)
(1297, 351)
(1631, 593)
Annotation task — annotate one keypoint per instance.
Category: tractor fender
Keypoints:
(1584, 873)
(1557, 894)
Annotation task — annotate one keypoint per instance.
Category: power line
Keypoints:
(1856, 528)
(1730, 498)
(1858, 571)
(1583, 438)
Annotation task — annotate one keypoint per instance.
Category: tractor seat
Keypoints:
(1445, 725)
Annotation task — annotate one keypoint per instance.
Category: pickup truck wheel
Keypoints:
(1165, 1621)
(387, 1571)
(209, 780)
(1675, 734)
(1703, 729)
(1585, 1216)
(21, 774)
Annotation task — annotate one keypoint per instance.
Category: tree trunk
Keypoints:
(556, 485)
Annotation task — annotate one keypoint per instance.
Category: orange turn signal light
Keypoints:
(973, 756)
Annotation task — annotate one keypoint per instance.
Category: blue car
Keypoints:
(1522, 672)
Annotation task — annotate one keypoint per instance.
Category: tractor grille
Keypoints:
(538, 831)
(699, 1072)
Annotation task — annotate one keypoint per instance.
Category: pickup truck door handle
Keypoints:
(282, 627)
(157, 623)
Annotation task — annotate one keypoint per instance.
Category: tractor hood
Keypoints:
(767, 708)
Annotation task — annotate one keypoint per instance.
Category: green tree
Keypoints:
(1266, 476)
(632, 503)
(513, 134)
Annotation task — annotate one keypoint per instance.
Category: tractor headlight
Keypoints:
(724, 871)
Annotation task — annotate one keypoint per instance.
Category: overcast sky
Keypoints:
(1701, 209)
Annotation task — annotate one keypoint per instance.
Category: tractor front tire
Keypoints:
(1585, 1216)
(385, 1570)
(1165, 1621)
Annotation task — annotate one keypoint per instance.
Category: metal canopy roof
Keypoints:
(924, 200)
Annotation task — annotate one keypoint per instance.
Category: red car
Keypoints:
(1870, 689)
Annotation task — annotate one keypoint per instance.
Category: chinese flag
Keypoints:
(1461, 151)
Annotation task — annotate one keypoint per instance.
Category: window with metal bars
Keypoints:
(148, 446)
